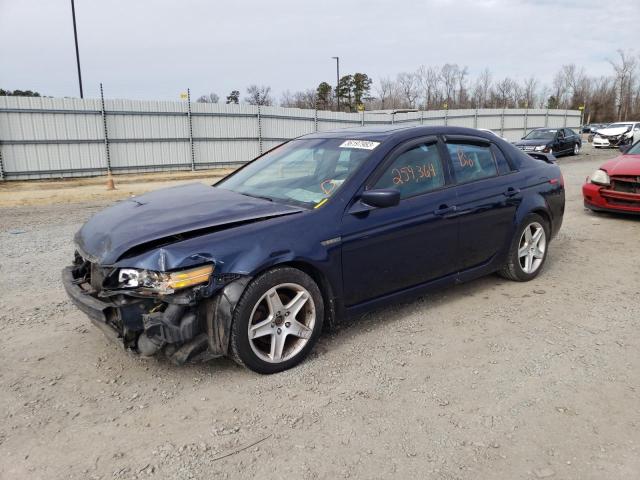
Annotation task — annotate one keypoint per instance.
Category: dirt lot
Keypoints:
(490, 380)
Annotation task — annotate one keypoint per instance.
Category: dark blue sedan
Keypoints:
(320, 228)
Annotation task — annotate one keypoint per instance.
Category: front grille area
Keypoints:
(90, 276)
(625, 184)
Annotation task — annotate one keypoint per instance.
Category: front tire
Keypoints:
(277, 321)
(528, 250)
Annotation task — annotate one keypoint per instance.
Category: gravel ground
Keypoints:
(492, 379)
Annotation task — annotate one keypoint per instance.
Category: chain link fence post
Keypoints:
(1, 165)
(526, 117)
(475, 118)
(362, 119)
(446, 116)
(421, 117)
(189, 116)
(565, 118)
(259, 131)
(106, 133)
(502, 123)
(546, 118)
(315, 119)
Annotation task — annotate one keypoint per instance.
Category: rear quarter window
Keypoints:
(472, 162)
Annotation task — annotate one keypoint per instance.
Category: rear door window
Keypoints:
(471, 162)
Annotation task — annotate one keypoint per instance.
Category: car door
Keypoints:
(571, 138)
(385, 250)
(488, 195)
(561, 142)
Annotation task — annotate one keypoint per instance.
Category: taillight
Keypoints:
(555, 181)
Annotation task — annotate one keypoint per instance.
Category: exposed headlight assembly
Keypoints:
(600, 177)
(540, 148)
(163, 283)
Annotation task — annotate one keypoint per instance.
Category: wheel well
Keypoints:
(323, 284)
(544, 214)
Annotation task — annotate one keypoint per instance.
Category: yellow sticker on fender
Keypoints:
(362, 144)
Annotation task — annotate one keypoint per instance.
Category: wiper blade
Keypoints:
(257, 196)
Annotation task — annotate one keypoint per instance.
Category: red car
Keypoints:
(615, 187)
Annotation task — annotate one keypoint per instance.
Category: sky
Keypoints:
(142, 49)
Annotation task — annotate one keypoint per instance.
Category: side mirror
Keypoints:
(381, 198)
(624, 148)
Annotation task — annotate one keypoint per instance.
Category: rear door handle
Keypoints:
(510, 192)
(445, 209)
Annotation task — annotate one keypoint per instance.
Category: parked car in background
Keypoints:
(492, 132)
(615, 186)
(594, 130)
(617, 134)
(592, 127)
(323, 227)
(556, 141)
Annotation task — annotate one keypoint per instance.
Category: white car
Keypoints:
(617, 134)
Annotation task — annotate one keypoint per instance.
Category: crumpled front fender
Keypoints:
(219, 315)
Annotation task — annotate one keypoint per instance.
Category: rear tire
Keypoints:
(528, 250)
(576, 149)
(277, 321)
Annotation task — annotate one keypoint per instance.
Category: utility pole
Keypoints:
(337, 59)
(75, 36)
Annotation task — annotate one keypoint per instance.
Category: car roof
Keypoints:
(398, 132)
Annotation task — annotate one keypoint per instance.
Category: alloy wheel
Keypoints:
(532, 247)
(281, 322)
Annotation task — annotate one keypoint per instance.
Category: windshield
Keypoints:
(546, 134)
(620, 125)
(306, 172)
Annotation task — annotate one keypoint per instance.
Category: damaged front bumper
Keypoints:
(192, 323)
(612, 140)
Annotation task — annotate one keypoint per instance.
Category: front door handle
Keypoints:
(511, 192)
(445, 209)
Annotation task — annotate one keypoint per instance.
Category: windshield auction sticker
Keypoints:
(362, 144)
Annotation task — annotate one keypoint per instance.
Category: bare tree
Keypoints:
(384, 89)
(211, 98)
(258, 95)
(449, 77)
(428, 79)
(482, 89)
(560, 89)
(624, 78)
(462, 88)
(408, 85)
(506, 93)
(529, 92)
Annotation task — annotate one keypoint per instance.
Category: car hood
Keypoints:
(613, 131)
(169, 215)
(624, 165)
(536, 142)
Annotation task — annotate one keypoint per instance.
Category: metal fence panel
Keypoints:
(66, 137)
